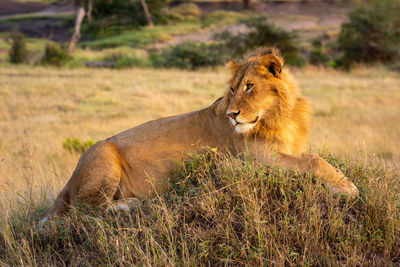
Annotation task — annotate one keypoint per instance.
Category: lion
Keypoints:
(261, 113)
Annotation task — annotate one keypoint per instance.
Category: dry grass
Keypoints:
(40, 108)
(224, 211)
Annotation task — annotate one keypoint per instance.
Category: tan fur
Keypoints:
(275, 123)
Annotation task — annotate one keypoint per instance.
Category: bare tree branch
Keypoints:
(80, 14)
(246, 4)
(147, 13)
(89, 12)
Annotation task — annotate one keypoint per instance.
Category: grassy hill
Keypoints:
(223, 210)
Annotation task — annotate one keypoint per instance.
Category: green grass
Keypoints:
(222, 210)
(24, 17)
(144, 36)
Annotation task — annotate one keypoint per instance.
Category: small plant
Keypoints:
(76, 145)
(18, 52)
(55, 55)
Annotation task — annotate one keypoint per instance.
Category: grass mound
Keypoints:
(224, 210)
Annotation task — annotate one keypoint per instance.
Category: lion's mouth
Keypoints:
(250, 122)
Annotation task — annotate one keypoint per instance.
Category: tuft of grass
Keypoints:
(183, 12)
(223, 210)
(222, 17)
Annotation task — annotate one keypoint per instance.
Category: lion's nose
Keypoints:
(233, 114)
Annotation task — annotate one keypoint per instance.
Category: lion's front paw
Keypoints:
(345, 187)
(351, 190)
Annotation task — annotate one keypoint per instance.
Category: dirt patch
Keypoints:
(11, 7)
(55, 28)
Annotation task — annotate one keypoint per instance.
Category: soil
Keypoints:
(11, 7)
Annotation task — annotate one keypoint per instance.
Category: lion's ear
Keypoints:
(233, 66)
(270, 64)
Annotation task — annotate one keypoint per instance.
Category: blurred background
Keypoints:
(76, 72)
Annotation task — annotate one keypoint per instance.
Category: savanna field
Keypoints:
(222, 210)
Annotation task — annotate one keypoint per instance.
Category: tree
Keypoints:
(246, 4)
(147, 13)
(80, 15)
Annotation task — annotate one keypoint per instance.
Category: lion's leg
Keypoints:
(311, 163)
(95, 180)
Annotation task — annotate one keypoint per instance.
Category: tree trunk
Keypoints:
(147, 13)
(89, 10)
(246, 4)
(80, 14)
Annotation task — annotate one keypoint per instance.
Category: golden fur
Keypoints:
(261, 112)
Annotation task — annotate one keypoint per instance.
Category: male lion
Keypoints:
(261, 112)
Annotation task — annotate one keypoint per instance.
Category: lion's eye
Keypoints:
(249, 86)
(232, 90)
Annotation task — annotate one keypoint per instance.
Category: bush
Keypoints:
(127, 59)
(263, 33)
(190, 56)
(76, 145)
(54, 55)
(223, 211)
(372, 34)
(18, 52)
(114, 16)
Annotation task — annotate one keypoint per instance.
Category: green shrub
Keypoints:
(190, 56)
(127, 62)
(18, 52)
(372, 34)
(318, 54)
(263, 33)
(54, 55)
(76, 145)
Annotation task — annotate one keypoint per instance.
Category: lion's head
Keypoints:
(261, 93)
